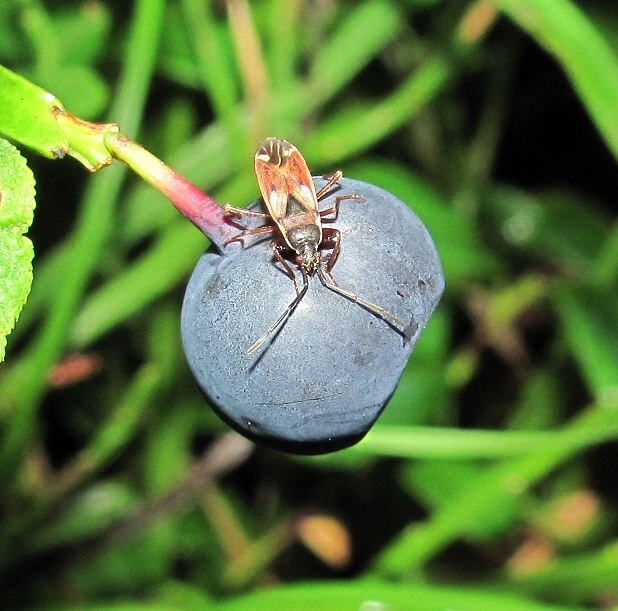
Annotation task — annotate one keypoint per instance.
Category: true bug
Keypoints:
(292, 202)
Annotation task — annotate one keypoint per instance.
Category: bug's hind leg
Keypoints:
(332, 179)
(406, 329)
(233, 210)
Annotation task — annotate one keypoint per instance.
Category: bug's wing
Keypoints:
(300, 181)
(273, 186)
(282, 173)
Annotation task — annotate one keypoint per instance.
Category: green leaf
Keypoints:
(32, 117)
(16, 251)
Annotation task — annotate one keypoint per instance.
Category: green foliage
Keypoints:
(488, 482)
(16, 252)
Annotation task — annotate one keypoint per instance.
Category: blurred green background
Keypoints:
(490, 480)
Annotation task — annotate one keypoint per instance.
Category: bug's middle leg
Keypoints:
(249, 232)
(334, 210)
(331, 238)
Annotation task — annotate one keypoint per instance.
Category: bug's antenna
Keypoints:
(406, 329)
(288, 312)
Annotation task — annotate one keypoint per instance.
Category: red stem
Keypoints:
(203, 211)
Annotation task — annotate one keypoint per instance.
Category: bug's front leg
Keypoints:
(279, 246)
(283, 318)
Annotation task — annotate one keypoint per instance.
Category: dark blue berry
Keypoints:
(321, 381)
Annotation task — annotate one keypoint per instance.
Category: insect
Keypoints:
(292, 202)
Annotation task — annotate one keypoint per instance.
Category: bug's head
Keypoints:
(304, 240)
(308, 257)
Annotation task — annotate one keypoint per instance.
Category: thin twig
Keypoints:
(225, 455)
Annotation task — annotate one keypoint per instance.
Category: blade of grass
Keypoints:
(566, 32)
(499, 485)
(358, 37)
(467, 444)
(218, 76)
(254, 72)
(605, 270)
(155, 273)
(590, 324)
(117, 430)
(351, 131)
(579, 577)
(368, 594)
(283, 35)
